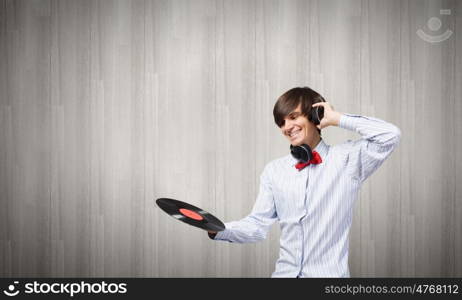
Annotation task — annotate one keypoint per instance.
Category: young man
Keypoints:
(313, 203)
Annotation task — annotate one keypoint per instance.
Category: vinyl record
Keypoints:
(190, 214)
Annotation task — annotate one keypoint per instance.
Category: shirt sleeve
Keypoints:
(377, 142)
(256, 225)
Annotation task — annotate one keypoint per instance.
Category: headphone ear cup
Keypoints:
(301, 153)
(316, 114)
(320, 114)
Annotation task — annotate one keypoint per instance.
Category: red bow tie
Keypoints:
(315, 160)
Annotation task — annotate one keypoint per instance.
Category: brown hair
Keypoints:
(291, 99)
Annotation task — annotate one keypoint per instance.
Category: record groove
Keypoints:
(190, 214)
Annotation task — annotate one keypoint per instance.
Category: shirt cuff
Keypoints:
(221, 235)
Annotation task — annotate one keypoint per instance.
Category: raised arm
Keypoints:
(377, 142)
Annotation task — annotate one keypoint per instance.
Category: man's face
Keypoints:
(297, 129)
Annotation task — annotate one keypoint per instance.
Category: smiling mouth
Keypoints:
(294, 133)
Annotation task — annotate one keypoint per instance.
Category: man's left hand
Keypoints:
(331, 117)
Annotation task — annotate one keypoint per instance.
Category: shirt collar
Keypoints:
(322, 148)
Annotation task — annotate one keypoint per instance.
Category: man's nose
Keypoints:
(288, 124)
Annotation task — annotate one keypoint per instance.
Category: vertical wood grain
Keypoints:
(107, 105)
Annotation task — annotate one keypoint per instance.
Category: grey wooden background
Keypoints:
(108, 105)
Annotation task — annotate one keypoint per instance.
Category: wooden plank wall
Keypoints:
(108, 105)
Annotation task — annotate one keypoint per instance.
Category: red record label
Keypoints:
(191, 214)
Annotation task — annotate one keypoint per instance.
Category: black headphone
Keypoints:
(303, 152)
(316, 114)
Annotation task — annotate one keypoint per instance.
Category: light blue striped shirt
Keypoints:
(314, 206)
